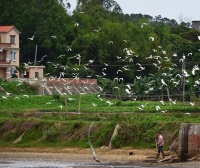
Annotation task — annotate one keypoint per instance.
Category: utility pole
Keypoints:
(183, 78)
(66, 108)
(79, 104)
(35, 55)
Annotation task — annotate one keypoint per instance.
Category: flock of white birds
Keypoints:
(128, 56)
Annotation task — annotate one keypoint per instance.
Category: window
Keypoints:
(36, 74)
(12, 71)
(12, 55)
(12, 39)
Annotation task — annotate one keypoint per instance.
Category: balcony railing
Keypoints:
(5, 45)
(5, 62)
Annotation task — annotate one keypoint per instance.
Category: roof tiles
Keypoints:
(5, 29)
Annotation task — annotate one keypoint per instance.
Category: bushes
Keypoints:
(17, 88)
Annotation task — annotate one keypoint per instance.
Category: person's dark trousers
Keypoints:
(160, 150)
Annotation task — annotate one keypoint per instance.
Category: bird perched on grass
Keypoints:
(187, 113)
(163, 111)
(26, 96)
(94, 104)
(70, 99)
(61, 107)
(109, 103)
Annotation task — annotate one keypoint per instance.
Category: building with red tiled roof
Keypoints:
(9, 51)
(6, 29)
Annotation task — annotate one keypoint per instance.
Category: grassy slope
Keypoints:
(43, 120)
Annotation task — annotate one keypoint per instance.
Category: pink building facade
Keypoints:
(9, 51)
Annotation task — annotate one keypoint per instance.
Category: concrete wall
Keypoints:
(80, 81)
(2, 72)
(193, 140)
(33, 69)
(188, 141)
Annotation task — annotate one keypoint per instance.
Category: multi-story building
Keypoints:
(196, 25)
(9, 51)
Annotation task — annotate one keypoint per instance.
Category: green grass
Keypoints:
(17, 88)
(44, 123)
(46, 103)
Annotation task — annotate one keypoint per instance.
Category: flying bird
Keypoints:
(110, 42)
(128, 86)
(163, 82)
(121, 79)
(60, 56)
(174, 55)
(69, 48)
(128, 91)
(31, 38)
(157, 108)
(96, 30)
(90, 61)
(8, 93)
(119, 70)
(116, 87)
(76, 24)
(151, 38)
(143, 25)
(105, 64)
(54, 36)
(129, 52)
(192, 104)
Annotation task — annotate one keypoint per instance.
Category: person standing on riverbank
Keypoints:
(160, 144)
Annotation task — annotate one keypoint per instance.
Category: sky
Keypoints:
(180, 10)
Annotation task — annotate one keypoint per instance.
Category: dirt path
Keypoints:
(106, 156)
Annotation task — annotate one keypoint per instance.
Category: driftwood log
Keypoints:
(168, 158)
(91, 147)
(194, 158)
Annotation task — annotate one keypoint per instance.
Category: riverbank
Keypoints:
(124, 156)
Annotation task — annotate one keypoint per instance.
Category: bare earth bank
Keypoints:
(105, 156)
